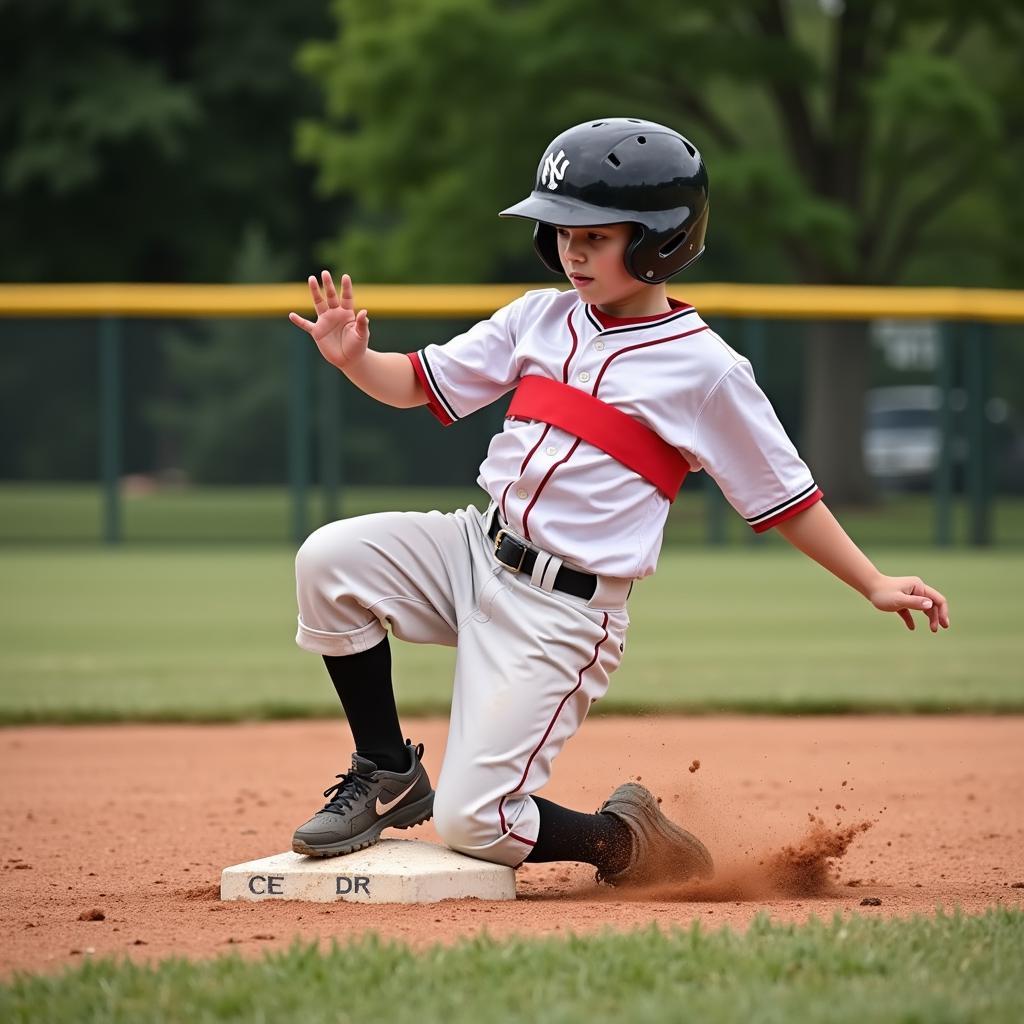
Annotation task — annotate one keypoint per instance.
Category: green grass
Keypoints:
(206, 633)
(950, 968)
(72, 514)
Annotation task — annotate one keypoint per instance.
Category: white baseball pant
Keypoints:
(530, 660)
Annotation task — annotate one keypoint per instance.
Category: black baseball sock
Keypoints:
(363, 684)
(599, 839)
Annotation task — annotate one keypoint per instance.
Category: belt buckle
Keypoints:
(498, 538)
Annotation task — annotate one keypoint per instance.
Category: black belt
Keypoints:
(519, 557)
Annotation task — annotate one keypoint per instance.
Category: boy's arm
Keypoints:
(818, 535)
(343, 336)
(387, 376)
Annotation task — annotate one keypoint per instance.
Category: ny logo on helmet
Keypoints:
(553, 172)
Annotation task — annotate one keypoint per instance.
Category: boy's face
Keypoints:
(592, 258)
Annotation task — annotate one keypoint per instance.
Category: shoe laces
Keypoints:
(344, 792)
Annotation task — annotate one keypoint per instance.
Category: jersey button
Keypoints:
(522, 492)
(584, 377)
(599, 345)
(551, 450)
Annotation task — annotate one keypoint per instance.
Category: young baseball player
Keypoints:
(618, 392)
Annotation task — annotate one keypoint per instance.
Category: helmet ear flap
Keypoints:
(653, 263)
(629, 256)
(545, 241)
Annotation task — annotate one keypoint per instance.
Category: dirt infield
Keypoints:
(114, 837)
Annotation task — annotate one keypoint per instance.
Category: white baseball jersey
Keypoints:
(671, 372)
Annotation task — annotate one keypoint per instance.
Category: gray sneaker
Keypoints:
(662, 851)
(363, 803)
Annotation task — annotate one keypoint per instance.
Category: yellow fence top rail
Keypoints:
(820, 302)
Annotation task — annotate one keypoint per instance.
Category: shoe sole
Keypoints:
(406, 817)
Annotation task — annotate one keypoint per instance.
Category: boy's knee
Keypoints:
(310, 555)
(462, 829)
(322, 550)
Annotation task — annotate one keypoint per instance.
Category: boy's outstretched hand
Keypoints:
(902, 594)
(818, 535)
(340, 332)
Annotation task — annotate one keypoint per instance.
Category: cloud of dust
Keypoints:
(806, 867)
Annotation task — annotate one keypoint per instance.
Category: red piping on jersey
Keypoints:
(532, 451)
(521, 839)
(618, 434)
(543, 484)
(547, 732)
(643, 344)
(789, 512)
(572, 351)
(522, 470)
(432, 403)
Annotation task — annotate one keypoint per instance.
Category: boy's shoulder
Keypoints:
(535, 303)
(540, 300)
(708, 345)
(698, 348)
(538, 308)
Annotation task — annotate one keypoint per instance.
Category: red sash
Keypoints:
(616, 433)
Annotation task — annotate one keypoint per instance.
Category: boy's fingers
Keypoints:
(941, 606)
(346, 291)
(916, 601)
(363, 324)
(329, 291)
(299, 321)
(918, 596)
(319, 302)
(926, 600)
(938, 611)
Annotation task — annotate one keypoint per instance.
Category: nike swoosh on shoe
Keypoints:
(383, 808)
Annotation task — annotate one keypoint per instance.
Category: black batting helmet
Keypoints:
(622, 169)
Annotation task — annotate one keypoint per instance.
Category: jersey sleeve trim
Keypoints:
(419, 365)
(786, 510)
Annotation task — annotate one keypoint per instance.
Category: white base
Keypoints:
(392, 871)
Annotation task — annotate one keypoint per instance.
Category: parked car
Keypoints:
(902, 440)
(902, 434)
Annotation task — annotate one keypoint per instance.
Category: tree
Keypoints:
(141, 139)
(856, 142)
(226, 407)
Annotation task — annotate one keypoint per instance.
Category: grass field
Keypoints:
(178, 631)
(207, 633)
(62, 513)
(950, 968)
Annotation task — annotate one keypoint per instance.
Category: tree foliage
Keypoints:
(850, 142)
(846, 142)
(140, 139)
(146, 142)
